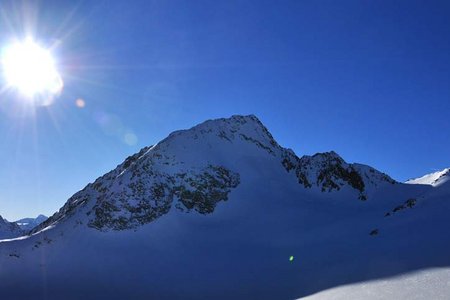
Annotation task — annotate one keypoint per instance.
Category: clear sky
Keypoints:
(368, 79)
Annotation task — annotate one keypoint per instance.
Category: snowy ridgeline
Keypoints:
(218, 211)
(434, 179)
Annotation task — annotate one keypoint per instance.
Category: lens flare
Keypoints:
(130, 139)
(80, 103)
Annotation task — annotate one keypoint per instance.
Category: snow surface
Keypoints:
(215, 212)
(427, 284)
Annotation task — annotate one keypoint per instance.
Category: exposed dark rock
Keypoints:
(410, 203)
(374, 232)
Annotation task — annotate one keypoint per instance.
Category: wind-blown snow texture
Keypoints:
(215, 212)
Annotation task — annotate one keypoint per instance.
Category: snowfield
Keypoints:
(427, 284)
(216, 211)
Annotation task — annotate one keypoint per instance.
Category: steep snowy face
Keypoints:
(329, 172)
(195, 169)
(434, 179)
(9, 229)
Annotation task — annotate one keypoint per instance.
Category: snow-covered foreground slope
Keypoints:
(426, 284)
(217, 211)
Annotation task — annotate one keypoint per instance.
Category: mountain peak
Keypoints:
(226, 128)
(327, 156)
(234, 132)
(330, 172)
(434, 179)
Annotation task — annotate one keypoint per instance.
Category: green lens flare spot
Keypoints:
(291, 258)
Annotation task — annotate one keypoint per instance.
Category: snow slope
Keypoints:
(216, 211)
(427, 284)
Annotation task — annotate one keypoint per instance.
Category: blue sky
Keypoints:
(368, 79)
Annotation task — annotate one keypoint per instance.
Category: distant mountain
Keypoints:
(9, 229)
(434, 179)
(222, 211)
(28, 224)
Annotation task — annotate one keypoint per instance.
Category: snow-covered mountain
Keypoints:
(222, 211)
(26, 224)
(194, 170)
(330, 172)
(9, 229)
(434, 179)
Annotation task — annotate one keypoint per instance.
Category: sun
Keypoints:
(30, 69)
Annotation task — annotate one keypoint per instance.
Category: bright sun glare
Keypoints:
(30, 69)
